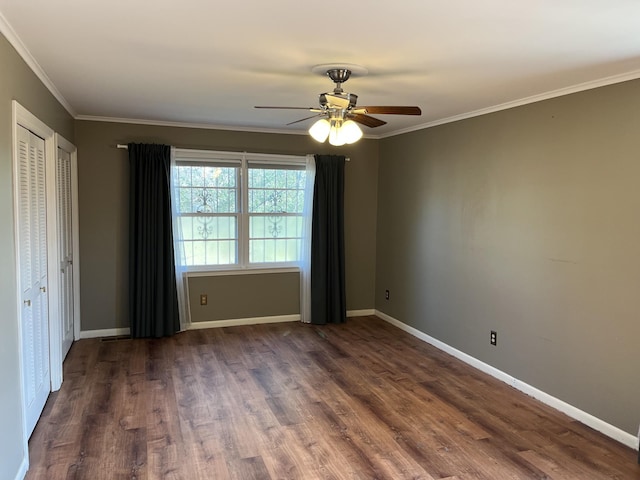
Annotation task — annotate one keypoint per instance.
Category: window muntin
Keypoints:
(240, 213)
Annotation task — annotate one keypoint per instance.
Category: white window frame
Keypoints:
(241, 159)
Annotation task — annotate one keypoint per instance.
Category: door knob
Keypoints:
(27, 303)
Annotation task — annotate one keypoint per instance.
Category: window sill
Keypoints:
(253, 270)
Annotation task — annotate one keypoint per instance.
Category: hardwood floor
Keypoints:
(361, 400)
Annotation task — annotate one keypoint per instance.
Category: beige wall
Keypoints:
(103, 185)
(525, 221)
(244, 296)
(17, 82)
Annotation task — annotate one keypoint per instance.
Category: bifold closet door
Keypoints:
(32, 251)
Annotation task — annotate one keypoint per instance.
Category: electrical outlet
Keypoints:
(386, 294)
(203, 299)
(494, 337)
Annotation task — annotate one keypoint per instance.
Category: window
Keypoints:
(239, 210)
(209, 207)
(276, 203)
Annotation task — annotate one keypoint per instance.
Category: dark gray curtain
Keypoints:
(328, 300)
(153, 300)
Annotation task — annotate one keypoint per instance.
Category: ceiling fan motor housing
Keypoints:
(339, 76)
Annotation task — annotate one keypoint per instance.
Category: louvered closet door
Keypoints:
(32, 233)
(65, 247)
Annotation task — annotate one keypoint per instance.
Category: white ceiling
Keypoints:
(209, 62)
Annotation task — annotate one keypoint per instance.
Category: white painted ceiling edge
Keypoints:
(7, 30)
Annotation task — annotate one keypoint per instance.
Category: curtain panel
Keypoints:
(328, 299)
(180, 261)
(153, 305)
(305, 257)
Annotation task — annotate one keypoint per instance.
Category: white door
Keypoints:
(32, 252)
(65, 248)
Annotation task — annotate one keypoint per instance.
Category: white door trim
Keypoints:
(69, 147)
(22, 117)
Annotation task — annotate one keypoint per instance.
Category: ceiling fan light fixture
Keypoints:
(336, 134)
(319, 131)
(351, 132)
(338, 131)
(338, 108)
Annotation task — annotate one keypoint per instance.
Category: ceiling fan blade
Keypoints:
(337, 101)
(367, 120)
(310, 109)
(390, 110)
(306, 118)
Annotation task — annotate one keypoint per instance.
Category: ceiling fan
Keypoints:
(339, 113)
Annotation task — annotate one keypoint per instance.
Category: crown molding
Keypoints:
(207, 126)
(581, 87)
(12, 37)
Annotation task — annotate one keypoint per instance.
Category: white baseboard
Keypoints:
(107, 332)
(114, 332)
(573, 412)
(24, 466)
(260, 320)
(360, 313)
(243, 321)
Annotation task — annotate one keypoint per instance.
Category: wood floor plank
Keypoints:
(166, 449)
(361, 400)
(252, 468)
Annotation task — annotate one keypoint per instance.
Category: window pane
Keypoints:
(199, 253)
(276, 190)
(257, 227)
(269, 251)
(212, 252)
(274, 250)
(294, 226)
(209, 240)
(269, 178)
(294, 249)
(184, 200)
(275, 238)
(275, 226)
(256, 251)
(207, 189)
(256, 178)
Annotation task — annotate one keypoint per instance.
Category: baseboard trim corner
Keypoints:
(596, 423)
(361, 313)
(107, 332)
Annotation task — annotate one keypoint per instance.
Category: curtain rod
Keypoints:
(126, 147)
